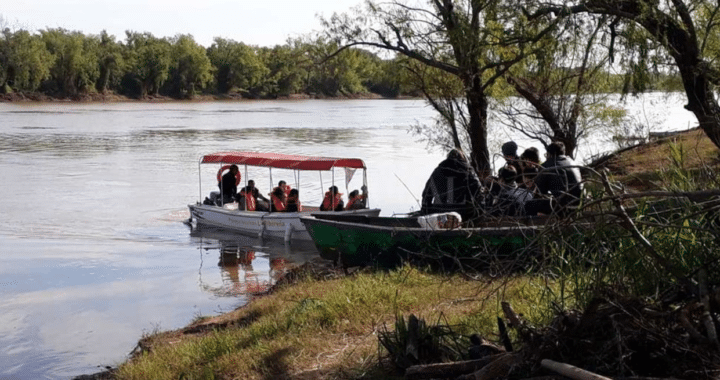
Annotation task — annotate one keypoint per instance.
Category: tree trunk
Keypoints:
(478, 110)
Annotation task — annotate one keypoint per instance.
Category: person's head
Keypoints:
(282, 184)
(278, 192)
(508, 174)
(556, 148)
(353, 194)
(333, 189)
(294, 193)
(456, 154)
(251, 183)
(509, 149)
(234, 169)
(531, 155)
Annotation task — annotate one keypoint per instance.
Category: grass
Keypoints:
(641, 167)
(328, 329)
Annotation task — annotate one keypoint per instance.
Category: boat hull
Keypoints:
(278, 225)
(379, 242)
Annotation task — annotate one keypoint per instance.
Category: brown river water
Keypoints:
(93, 249)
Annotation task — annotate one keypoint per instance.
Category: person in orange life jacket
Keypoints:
(357, 201)
(251, 202)
(228, 184)
(278, 198)
(333, 200)
(293, 201)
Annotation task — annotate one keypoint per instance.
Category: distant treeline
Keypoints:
(62, 63)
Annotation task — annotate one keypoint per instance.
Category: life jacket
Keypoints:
(294, 201)
(278, 203)
(329, 203)
(351, 201)
(249, 200)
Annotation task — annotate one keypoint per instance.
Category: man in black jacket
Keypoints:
(560, 177)
(452, 186)
(228, 184)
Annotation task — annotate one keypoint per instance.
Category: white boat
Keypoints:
(264, 224)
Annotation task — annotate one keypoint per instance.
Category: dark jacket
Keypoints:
(227, 186)
(558, 177)
(453, 185)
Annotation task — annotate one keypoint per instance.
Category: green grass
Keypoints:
(329, 328)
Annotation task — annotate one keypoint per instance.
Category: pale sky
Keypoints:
(254, 22)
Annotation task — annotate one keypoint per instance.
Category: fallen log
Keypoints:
(448, 370)
(571, 371)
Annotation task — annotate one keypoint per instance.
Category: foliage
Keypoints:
(190, 70)
(25, 60)
(149, 60)
(239, 68)
(75, 67)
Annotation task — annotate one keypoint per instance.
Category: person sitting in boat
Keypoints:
(278, 198)
(512, 198)
(453, 186)
(293, 201)
(228, 184)
(333, 200)
(250, 197)
(357, 201)
(560, 176)
(559, 182)
(509, 152)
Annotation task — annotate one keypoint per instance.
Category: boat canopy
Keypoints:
(282, 161)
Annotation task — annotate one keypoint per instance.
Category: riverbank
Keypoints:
(111, 97)
(319, 322)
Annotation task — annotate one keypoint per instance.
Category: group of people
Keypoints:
(282, 198)
(522, 187)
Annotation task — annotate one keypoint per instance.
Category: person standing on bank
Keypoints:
(452, 186)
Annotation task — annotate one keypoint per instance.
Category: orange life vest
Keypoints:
(278, 203)
(249, 201)
(326, 204)
(352, 201)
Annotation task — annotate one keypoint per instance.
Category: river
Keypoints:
(93, 249)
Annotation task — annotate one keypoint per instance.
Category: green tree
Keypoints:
(24, 60)
(111, 61)
(190, 70)
(686, 30)
(239, 67)
(562, 82)
(149, 59)
(75, 67)
(345, 74)
(288, 68)
(461, 38)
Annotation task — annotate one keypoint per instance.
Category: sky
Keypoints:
(253, 22)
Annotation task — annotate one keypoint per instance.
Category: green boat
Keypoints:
(376, 240)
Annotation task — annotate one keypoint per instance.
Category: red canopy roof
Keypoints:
(284, 161)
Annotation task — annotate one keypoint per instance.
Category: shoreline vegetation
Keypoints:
(35, 97)
(319, 321)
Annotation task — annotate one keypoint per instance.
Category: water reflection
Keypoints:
(248, 265)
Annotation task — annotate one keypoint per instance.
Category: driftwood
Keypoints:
(499, 368)
(448, 370)
(570, 371)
